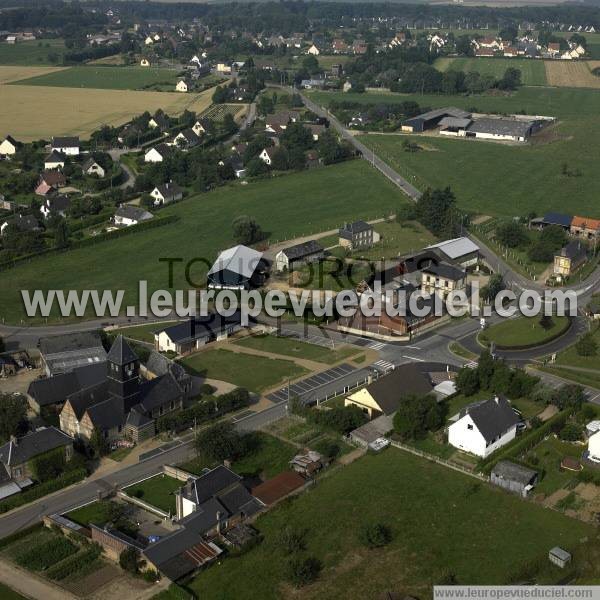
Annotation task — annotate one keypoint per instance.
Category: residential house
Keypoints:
(398, 40)
(55, 160)
(299, 254)
(128, 215)
(383, 396)
(267, 155)
(9, 146)
(65, 352)
(16, 456)
(442, 279)
(145, 62)
(193, 334)
(186, 139)
(313, 50)
(165, 193)
(359, 47)
(339, 46)
(316, 130)
(236, 268)
(357, 235)
(483, 427)
(201, 126)
(571, 256)
(22, 223)
(314, 83)
(586, 228)
(593, 449)
(159, 121)
(554, 49)
(49, 182)
(513, 477)
(278, 122)
(55, 205)
(66, 145)
(157, 154)
(91, 167)
(182, 86)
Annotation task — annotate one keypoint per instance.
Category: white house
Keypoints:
(594, 447)
(144, 62)
(157, 154)
(128, 215)
(91, 167)
(55, 160)
(55, 205)
(199, 128)
(483, 427)
(165, 193)
(148, 41)
(267, 155)
(67, 145)
(313, 50)
(9, 146)
(187, 138)
(181, 86)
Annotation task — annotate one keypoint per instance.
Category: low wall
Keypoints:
(142, 504)
(178, 473)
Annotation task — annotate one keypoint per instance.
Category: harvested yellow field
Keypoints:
(572, 73)
(33, 112)
(8, 74)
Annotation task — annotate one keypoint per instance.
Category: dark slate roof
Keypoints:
(128, 211)
(201, 327)
(33, 444)
(120, 352)
(448, 111)
(159, 391)
(65, 142)
(190, 136)
(90, 162)
(70, 342)
(355, 227)
(158, 364)
(59, 387)
(26, 223)
(493, 418)
(499, 126)
(59, 203)
(81, 400)
(107, 414)
(137, 418)
(210, 484)
(55, 156)
(574, 250)
(513, 472)
(444, 270)
(557, 219)
(169, 190)
(301, 250)
(405, 380)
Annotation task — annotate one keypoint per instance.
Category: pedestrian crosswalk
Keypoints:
(376, 345)
(383, 365)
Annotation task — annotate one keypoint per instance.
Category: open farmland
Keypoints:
(532, 71)
(572, 73)
(14, 73)
(106, 78)
(499, 179)
(217, 112)
(422, 503)
(285, 207)
(30, 113)
(35, 52)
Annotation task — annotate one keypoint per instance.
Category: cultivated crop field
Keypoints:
(532, 71)
(496, 179)
(217, 112)
(31, 112)
(105, 78)
(285, 207)
(35, 52)
(572, 73)
(15, 73)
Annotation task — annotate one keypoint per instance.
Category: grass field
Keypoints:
(569, 73)
(549, 453)
(570, 358)
(34, 52)
(255, 373)
(295, 348)
(143, 333)
(158, 491)
(105, 78)
(32, 112)
(96, 512)
(7, 593)
(523, 331)
(532, 71)
(271, 457)
(286, 207)
(423, 504)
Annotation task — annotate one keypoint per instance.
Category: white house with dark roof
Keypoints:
(186, 139)
(157, 153)
(66, 145)
(483, 427)
(358, 235)
(55, 160)
(310, 251)
(128, 215)
(91, 167)
(165, 193)
(9, 146)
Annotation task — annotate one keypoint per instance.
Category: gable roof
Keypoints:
(33, 444)
(586, 222)
(444, 270)
(201, 327)
(511, 471)
(574, 250)
(356, 227)
(169, 190)
(493, 417)
(553, 218)
(405, 380)
(239, 259)
(302, 250)
(159, 391)
(106, 414)
(65, 142)
(456, 248)
(121, 353)
(90, 162)
(55, 157)
(134, 213)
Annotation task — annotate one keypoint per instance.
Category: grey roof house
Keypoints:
(299, 254)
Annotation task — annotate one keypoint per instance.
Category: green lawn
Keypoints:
(7, 593)
(105, 78)
(483, 174)
(522, 331)
(254, 373)
(425, 505)
(158, 491)
(286, 207)
(270, 458)
(32, 53)
(571, 358)
(582, 377)
(143, 333)
(97, 512)
(533, 72)
(293, 347)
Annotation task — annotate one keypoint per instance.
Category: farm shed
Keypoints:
(561, 558)
(513, 477)
(432, 119)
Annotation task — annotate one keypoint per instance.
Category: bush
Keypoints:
(291, 540)
(587, 345)
(571, 432)
(375, 535)
(129, 559)
(302, 571)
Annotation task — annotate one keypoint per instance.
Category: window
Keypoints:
(469, 426)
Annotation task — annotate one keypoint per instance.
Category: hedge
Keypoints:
(42, 489)
(18, 535)
(526, 441)
(74, 563)
(90, 241)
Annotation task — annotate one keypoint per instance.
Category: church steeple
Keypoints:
(123, 373)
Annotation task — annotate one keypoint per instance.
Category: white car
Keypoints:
(379, 444)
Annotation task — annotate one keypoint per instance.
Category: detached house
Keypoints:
(91, 167)
(357, 235)
(55, 160)
(442, 279)
(159, 121)
(9, 146)
(571, 256)
(182, 86)
(55, 205)
(165, 193)
(128, 215)
(267, 155)
(483, 427)
(157, 153)
(49, 182)
(66, 145)
(186, 139)
(585, 227)
(200, 127)
(310, 251)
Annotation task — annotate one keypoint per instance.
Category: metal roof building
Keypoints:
(234, 268)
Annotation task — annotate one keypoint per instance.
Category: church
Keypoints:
(123, 404)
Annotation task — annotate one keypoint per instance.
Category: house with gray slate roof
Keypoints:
(299, 254)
